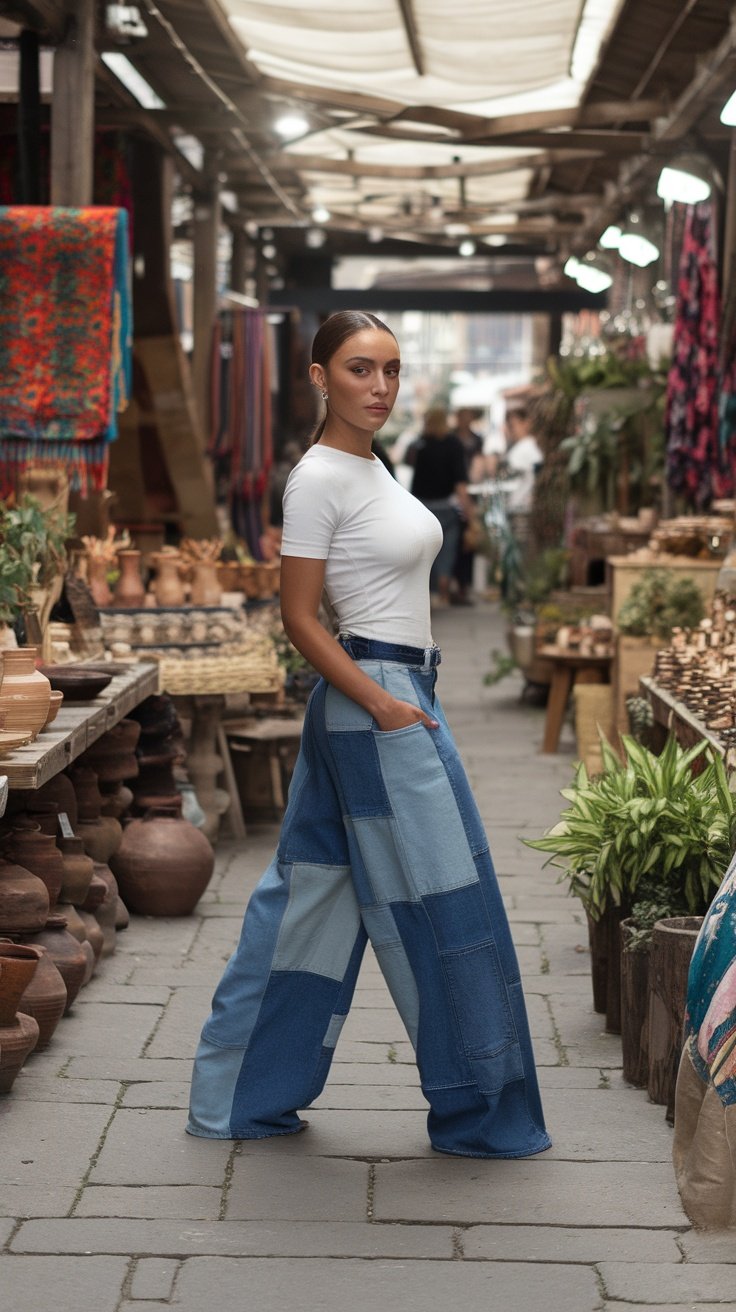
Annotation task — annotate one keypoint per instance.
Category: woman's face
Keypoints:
(361, 379)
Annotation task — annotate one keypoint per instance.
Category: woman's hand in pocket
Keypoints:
(401, 715)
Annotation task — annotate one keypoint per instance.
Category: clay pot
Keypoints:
(97, 581)
(25, 693)
(95, 936)
(90, 961)
(89, 798)
(113, 757)
(205, 588)
(163, 864)
(96, 893)
(44, 998)
(66, 953)
(122, 915)
(129, 589)
(168, 588)
(117, 801)
(24, 900)
(17, 1040)
(74, 923)
(101, 837)
(43, 814)
(60, 789)
(107, 910)
(38, 853)
(55, 701)
(78, 870)
(17, 967)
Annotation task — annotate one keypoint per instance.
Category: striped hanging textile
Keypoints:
(241, 438)
(65, 339)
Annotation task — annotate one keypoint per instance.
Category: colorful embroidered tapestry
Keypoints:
(710, 1018)
(65, 337)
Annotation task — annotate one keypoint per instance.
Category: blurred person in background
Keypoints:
(440, 482)
(470, 530)
(522, 460)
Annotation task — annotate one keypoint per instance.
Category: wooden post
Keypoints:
(237, 260)
(29, 120)
(72, 108)
(206, 228)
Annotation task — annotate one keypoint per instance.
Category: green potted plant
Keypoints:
(32, 558)
(658, 602)
(646, 829)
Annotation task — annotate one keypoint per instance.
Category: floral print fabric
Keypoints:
(710, 1018)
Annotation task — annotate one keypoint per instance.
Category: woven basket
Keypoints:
(593, 711)
(253, 669)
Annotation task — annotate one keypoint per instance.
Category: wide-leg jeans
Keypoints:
(381, 839)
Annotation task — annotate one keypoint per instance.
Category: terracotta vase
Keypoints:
(17, 1040)
(122, 915)
(66, 953)
(129, 589)
(117, 800)
(101, 837)
(17, 967)
(86, 791)
(168, 587)
(78, 870)
(106, 912)
(90, 961)
(74, 923)
(25, 693)
(113, 757)
(95, 936)
(43, 814)
(97, 891)
(38, 853)
(24, 900)
(205, 588)
(97, 571)
(44, 998)
(59, 789)
(163, 864)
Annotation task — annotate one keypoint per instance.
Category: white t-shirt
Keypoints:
(523, 457)
(377, 539)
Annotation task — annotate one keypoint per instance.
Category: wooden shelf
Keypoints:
(76, 727)
(674, 716)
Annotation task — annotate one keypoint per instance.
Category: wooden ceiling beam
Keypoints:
(43, 16)
(408, 19)
(417, 172)
(620, 141)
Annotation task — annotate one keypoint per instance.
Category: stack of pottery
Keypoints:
(36, 852)
(114, 760)
(157, 751)
(44, 997)
(25, 693)
(18, 1031)
(163, 864)
(66, 953)
(100, 834)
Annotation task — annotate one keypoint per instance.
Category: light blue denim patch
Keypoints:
(334, 1030)
(380, 925)
(217, 1071)
(436, 854)
(344, 715)
(321, 921)
(402, 985)
(385, 864)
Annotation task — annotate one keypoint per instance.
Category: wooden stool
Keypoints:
(568, 667)
(263, 754)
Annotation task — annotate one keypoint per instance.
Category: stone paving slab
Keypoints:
(371, 1097)
(528, 1192)
(294, 1189)
(157, 1095)
(710, 1246)
(66, 1284)
(385, 1072)
(557, 1243)
(106, 1029)
(128, 1068)
(151, 1147)
(56, 1088)
(181, 1024)
(364, 1134)
(287, 1238)
(7, 1227)
(45, 1144)
(153, 1278)
(158, 1202)
(598, 1125)
(19, 1200)
(665, 1281)
(283, 1285)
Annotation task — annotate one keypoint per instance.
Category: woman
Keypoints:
(381, 838)
(440, 482)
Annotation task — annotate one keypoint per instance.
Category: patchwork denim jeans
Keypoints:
(381, 839)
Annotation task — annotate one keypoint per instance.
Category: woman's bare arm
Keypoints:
(302, 581)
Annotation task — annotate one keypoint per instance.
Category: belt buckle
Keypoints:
(429, 663)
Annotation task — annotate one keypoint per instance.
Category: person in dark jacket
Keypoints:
(440, 482)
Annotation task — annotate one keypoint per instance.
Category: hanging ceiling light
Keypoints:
(375, 233)
(571, 267)
(320, 214)
(688, 185)
(466, 248)
(592, 279)
(635, 245)
(315, 238)
(728, 113)
(291, 124)
(496, 239)
(611, 238)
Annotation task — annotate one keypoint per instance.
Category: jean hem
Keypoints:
(523, 1152)
(200, 1133)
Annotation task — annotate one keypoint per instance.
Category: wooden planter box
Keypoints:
(673, 942)
(622, 573)
(634, 1009)
(633, 660)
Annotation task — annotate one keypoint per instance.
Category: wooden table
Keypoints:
(568, 667)
(76, 727)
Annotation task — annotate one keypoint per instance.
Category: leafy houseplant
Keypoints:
(660, 602)
(32, 554)
(645, 829)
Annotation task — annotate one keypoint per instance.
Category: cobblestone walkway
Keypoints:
(105, 1203)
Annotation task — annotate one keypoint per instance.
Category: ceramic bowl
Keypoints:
(77, 682)
(57, 698)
